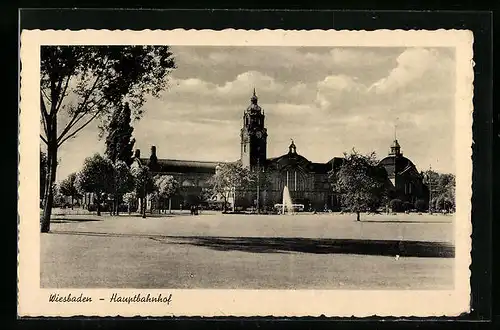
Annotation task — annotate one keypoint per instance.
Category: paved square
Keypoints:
(306, 251)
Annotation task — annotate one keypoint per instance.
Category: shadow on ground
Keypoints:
(72, 220)
(406, 221)
(298, 244)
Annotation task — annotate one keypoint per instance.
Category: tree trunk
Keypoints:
(128, 208)
(98, 208)
(357, 216)
(50, 179)
(234, 200)
(170, 205)
(143, 206)
(224, 207)
(117, 203)
(72, 202)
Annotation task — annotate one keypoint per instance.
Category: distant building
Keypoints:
(309, 182)
(406, 182)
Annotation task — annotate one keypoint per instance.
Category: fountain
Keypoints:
(287, 201)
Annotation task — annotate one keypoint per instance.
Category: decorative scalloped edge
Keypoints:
(469, 77)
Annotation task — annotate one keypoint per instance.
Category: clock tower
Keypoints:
(253, 135)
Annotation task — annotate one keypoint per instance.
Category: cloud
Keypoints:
(282, 63)
(246, 81)
(413, 65)
(339, 91)
(328, 99)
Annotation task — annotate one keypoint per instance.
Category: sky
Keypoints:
(328, 100)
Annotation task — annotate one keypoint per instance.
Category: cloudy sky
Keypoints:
(328, 100)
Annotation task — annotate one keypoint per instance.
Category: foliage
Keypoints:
(166, 185)
(99, 78)
(59, 200)
(206, 194)
(68, 188)
(119, 141)
(259, 178)
(96, 177)
(123, 179)
(84, 83)
(130, 198)
(360, 183)
(228, 178)
(143, 181)
(442, 188)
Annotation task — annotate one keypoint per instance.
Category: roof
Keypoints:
(293, 159)
(182, 166)
(398, 164)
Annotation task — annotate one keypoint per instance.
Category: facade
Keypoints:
(309, 182)
(407, 184)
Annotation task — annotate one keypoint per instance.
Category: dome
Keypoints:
(396, 164)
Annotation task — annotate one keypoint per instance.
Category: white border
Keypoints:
(33, 301)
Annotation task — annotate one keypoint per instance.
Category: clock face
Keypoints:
(259, 134)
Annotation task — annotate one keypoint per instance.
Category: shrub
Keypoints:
(396, 205)
(407, 206)
(421, 205)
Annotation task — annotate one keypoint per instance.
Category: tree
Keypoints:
(130, 198)
(68, 188)
(96, 177)
(144, 185)
(81, 83)
(360, 183)
(442, 190)
(119, 141)
(259, 182)
(228, 179)
(123, 182)
(166, 186)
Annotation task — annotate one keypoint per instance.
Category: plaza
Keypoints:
(226, 251)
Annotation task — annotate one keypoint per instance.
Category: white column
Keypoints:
(287, 178)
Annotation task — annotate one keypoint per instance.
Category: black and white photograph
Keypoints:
(260, 166)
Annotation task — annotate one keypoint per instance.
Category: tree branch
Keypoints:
(44, 93)
(45, 127)
(43, 139)
(94, 85)
(42, 104)
(76, 118)
(64, 91)
(77, 130)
